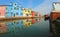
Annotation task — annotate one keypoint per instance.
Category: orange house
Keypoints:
(32, 13)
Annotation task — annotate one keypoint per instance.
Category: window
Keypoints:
(14, 15)
(15, 3)
(11, 8)
(27, 14)
(21, 13)
(16, 8)
(17, 13)
(28, 11)
(35, 14)
(11, 12)
(6, 13)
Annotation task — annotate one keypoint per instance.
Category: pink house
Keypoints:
(2, 11)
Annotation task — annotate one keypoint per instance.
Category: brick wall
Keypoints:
(55, 15)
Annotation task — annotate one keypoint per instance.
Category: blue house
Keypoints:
(13, 10)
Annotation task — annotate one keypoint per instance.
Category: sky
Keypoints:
(41, 6)
(24, 3)
(45, 7)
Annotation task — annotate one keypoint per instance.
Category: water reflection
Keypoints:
(16, 25)
(3, 28)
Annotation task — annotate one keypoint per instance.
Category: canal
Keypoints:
(25, 28)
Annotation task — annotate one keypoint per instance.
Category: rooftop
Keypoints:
(56, 11)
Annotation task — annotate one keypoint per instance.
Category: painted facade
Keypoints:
(26, 12)
(2, 11)
(12, 10)
(32, 13)
(37, 14)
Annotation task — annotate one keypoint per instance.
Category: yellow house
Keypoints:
(26, 12)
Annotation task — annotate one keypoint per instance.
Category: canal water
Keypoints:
(25, 28)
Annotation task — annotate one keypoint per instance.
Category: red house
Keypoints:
(32, 13)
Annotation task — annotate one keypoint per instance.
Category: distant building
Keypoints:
(2, 11)
(32, 13)
(11, 10)
(37, 14)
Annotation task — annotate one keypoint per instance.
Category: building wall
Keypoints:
(8, 11)
(54, 15)
(2, 11)
(32, 13)
(17, 11)
(26, 12)
(13, 11)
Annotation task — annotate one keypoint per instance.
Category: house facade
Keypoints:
(2, 11)
(12, 10)
(26, 12)
(32, 13)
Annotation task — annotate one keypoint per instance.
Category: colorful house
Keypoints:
(26, 12)
(32, 13)
(2, 11)
(37, 14)
(12, 10)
